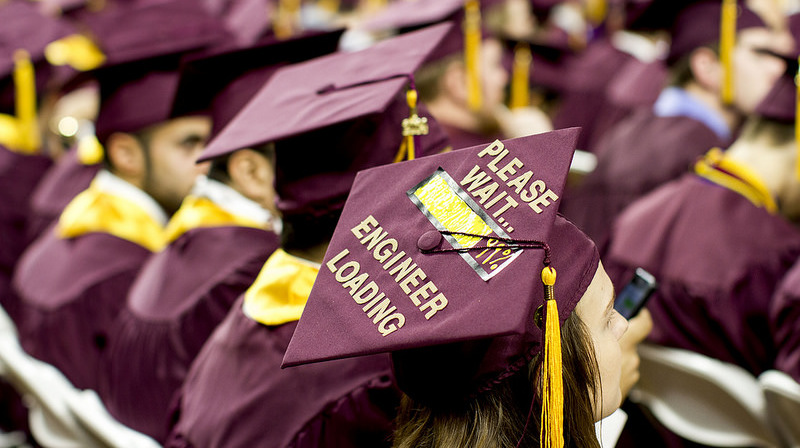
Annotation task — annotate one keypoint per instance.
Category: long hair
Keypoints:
(498, 417)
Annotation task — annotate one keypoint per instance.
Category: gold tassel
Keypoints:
(412, 126)
(25, 98)
(284, 24)
(90, 151)
(77, 51)
(596, 11)
(727, 42)
(520, 76)
(552, 424)
(797, 116)
(472, 52)
(375, 5)
(331, 6)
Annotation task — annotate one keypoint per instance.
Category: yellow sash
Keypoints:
(281, 290)
(198, 212)
(734, 176)
(95, 210)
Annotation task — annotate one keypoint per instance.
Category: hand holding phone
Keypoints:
(635, 294)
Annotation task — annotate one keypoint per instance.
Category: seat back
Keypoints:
(783, 404)
(703, 399)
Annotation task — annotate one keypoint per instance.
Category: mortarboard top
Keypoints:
(325, 91)
(231, 78)
(331, 117)
(143, 44)
(25, 28)
(391, 282)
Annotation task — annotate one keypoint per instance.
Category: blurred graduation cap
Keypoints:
(441, 267)
(24, 35)
(228, 79)
(334, 115)
(405, 15)
(142, 44)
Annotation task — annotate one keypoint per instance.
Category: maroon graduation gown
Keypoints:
(180, 296)
(19, 174)
(237, 396)
(639, 154)
(70, 291)
(718, 259)
(589, 76)
(786, 323)
(58, 187)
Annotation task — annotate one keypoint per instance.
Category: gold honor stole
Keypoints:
(281, 290)
(734, 176)
(98, 211)
(198, 212)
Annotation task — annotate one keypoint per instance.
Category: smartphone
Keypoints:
(634, 295)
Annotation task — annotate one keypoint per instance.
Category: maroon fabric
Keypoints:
(785, 318)
(179, 297)
(475, 299)
(589, 75)
(637, 84)
(780, 104)
(639, 154)
(59, 185)
(461, 138)
(71, 291)
(19, 175)
(718, 260)
(236, 394)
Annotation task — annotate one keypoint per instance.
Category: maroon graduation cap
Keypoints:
(443, 267)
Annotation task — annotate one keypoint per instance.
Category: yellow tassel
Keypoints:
(375, 5)
(727, 42)
(552, 426)
(90, 151)
(329, 5)
(797, 116)
(284, 24)
(596, 11)
(472, 52)
(77, 51)
(25, 97)
(520, 76)
(412, 126)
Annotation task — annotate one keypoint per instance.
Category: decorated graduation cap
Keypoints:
(334, 115)
(227, 80)
(466, 37)
(452, 268)
(142, 44)
(24, 35)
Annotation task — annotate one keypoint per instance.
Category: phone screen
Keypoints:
(634, 295)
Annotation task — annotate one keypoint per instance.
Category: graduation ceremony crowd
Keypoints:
(394, 223)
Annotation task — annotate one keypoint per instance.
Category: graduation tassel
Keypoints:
(284, 24)
(90, 151)
(412, 126)
(472, 50)
(25, 102)
(727, 42)
(329, 5)
(596, 11)
(552, 423)
(520, 76)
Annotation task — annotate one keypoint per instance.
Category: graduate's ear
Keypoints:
(252, 174)
(126, 157)
(454, 81)
(706, 69)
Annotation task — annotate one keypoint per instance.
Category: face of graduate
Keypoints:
(172, 148)
(606, 326)
(755, 70)
(493, 75)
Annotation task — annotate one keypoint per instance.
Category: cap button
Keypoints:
(429, 240)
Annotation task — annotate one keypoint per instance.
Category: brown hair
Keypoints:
(429, 76)
(498, 418)
(680, 72)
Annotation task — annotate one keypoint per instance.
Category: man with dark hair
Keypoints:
(657, 144)
(73, 279)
